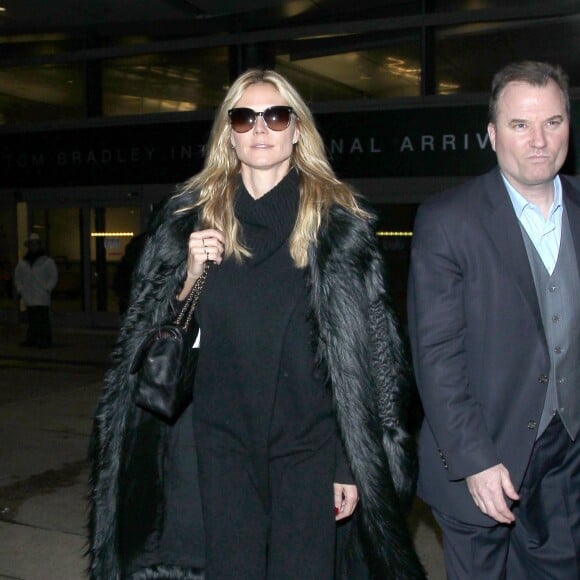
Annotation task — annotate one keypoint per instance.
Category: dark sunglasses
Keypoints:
(276, 118)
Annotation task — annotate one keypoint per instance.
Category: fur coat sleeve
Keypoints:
(358, 343)
(362, 350)
(118, 422)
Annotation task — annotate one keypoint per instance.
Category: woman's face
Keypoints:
(261, 148)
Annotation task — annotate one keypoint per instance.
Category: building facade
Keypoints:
(96, 129)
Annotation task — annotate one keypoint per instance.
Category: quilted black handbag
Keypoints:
(165, 362)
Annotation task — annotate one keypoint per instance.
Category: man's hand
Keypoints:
(488, 489)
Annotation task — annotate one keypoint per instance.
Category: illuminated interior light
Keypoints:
(398, 67)
(395, 234)
(112, 234)
(445, 88)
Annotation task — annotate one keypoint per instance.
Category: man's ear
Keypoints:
(491, 133)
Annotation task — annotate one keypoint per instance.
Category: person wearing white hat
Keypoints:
(35, 277)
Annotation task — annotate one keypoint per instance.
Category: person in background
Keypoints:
(35, 277)
(301, 390)
(123, 279)
(494, 321)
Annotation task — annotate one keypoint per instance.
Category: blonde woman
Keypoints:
(297, 426)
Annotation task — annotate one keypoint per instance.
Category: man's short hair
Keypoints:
(535, 73)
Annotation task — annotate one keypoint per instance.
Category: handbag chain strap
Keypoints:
(192, 300)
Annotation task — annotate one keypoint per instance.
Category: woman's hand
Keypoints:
(345, 500)
(204, 246)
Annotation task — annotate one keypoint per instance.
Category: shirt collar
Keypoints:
(520, 203)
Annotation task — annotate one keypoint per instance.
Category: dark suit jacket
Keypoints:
(480, 355)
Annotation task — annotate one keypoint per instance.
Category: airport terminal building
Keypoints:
(105, 109)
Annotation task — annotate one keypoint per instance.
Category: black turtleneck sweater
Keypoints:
(257, 392)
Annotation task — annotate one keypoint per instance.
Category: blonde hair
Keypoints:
(216, 183)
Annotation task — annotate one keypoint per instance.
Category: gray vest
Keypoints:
(559, 300)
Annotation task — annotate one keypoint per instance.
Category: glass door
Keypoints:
(114, 248)
(94, 249)
(61, 230)
(8, 259)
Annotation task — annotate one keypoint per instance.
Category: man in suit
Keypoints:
(494, 320)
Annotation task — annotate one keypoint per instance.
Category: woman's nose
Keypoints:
(260, 125)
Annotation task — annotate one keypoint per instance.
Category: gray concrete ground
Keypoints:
(47, 400)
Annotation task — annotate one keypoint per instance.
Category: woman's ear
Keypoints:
(296, 134)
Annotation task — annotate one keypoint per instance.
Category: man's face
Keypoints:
(530, 134)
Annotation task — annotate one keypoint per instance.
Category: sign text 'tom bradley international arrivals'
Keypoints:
(99, 157)
(409, 144)
(143, 154)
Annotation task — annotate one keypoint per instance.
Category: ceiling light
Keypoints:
(112, 234)
(395, 234)
(2, 9)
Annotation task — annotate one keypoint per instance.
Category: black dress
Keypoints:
(263, 417)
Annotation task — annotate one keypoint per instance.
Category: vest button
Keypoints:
(543, 379)
(556, 318)
(532, 424)
(558, 349)
(553, 288)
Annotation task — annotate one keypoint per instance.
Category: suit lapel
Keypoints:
(501, 222)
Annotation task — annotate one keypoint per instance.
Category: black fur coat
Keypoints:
(359, 345)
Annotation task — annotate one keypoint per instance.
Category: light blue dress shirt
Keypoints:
(544, 233)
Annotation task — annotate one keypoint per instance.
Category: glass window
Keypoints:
(41, 93)
(378, 73)
(165, 83)
(456, 5)
(495, 45)
(44, 92)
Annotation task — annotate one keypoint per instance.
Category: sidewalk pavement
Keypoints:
(47, 401)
